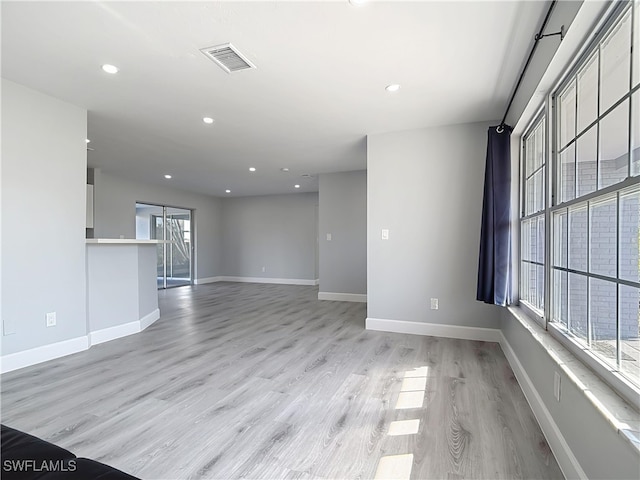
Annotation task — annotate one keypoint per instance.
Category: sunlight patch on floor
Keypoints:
(394, 467)
(404, 427)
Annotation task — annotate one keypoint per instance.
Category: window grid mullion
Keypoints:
(568, 276)
(575, 140)
(618, 323)
(598, 119)
(631, 66)
(548, 227)
(589, 335)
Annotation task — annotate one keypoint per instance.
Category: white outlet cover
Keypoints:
(329, 237)
(434, 304)
(51, 319)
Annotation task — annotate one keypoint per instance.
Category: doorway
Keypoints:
(174, 226)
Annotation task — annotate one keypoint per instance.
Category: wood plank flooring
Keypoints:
(265, 381)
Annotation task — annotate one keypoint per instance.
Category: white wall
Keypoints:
(44, 170)
(426, 186)
(343, 214)
(115, 215)
(278, 232)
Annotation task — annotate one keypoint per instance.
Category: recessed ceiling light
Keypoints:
(110, 68)
(296, 186)
(167, 176)
(357, 3)
(252, 169)
(207, 120)
(227, 191)
(285, 169)
(394, 87)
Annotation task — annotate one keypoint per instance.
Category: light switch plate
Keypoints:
(328, 237)
(385, 234)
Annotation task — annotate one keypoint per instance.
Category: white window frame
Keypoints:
(548, 112)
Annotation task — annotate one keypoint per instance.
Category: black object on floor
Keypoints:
(27, 457)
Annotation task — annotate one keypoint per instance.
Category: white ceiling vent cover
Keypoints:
(228, 58)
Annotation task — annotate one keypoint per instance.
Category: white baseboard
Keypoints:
(111, 333)
(26, 358)
(33, 356)
(149, 319)
(202, 281)
(279, 281)
(119, 331)
(434, 329)
(566, 459)
(343, 297)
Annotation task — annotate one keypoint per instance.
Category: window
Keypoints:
(593, 210)
(532, 229)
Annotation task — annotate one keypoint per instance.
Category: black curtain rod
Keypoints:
(538, 37)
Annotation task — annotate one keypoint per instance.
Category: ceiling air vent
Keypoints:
(228, 58)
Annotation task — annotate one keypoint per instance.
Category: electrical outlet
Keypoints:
(329, 237)
(264, 269)
(51, 319)
(434, 304)
(556, 385)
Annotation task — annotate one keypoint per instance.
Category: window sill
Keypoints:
(622, 416)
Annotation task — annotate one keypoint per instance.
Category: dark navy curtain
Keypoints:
(494, 272)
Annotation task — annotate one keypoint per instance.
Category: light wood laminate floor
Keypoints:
(265, 381)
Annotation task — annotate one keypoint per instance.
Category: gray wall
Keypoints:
(600, 450)
(115, 215)
(44, 168)
(425, 186)
(343, 213)
(278, 232)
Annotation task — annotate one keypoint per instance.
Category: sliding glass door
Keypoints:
(173, 226)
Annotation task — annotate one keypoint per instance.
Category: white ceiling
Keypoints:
(317, 92)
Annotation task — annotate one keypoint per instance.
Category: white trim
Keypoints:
(111, 333)
(149, 319)
(343, 297)
(202, 281)
(33, 356)
(566, 459)
(124, 330)
(26, 358)
(434, 329)
(280, 281)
